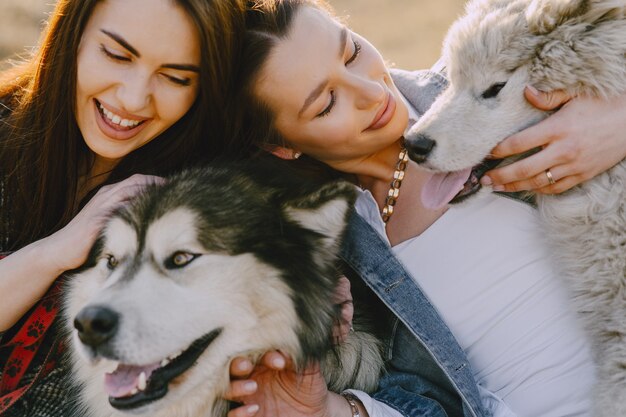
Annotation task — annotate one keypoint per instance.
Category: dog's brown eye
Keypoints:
(179, 259)
(112, 262)
(493, 90)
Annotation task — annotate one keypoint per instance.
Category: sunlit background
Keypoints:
(407, 32)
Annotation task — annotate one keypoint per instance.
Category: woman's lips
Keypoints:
(385, 113)
(115, 131)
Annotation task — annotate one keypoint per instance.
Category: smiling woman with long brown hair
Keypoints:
(106, 104)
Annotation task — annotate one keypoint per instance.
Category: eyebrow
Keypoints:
(117, 38)
(343, 39)
(182, 67)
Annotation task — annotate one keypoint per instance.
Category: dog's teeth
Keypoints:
(164, 362)
(134, 391)
(111, 366)
(141, 382)
(175, 355)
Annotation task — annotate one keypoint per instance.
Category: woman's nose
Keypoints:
(369, 92)
(134, 94)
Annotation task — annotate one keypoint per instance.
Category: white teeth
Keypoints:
(115, 119)
(174, 356)
(111, 366)
(134, 391)
(141, 381)
(170, 358)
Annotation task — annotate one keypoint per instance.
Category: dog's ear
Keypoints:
(325, 210)
(543, 16)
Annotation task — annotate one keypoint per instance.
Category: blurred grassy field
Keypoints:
(407, 32)
(20, 24)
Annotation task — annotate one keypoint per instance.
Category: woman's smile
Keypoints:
(385, 114)
(117, 124)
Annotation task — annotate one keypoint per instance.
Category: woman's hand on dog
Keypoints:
(583, 138)
(273, 388)
(28, 273)
(70, 246)
(343, 323)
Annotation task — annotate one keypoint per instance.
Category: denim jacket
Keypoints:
(428, 372)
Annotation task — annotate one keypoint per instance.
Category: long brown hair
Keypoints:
(42, 152)
(253, 122)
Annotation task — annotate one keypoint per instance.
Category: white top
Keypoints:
(486, 268)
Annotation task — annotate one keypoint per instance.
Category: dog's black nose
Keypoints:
(96, 325)
(419, 146)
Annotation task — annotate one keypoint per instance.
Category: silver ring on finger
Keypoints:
(551, 180)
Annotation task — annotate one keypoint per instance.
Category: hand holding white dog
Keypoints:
(584, 138)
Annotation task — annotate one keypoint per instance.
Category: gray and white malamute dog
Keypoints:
(491, 54)
(216, 263)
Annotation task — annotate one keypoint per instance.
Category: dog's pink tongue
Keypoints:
(440, 188)
(124, 379)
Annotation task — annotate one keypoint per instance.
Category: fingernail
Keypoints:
(278, 362)
(252, 409)
(485, 180)
(250, 386)
(533, 90)
(498, 188)
(244, 366)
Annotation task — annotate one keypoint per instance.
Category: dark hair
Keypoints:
(42, 152)
(267, 22)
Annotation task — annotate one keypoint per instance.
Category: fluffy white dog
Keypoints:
(492, 53)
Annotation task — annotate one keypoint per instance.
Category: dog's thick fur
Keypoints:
(218, 262)
(578, 46)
